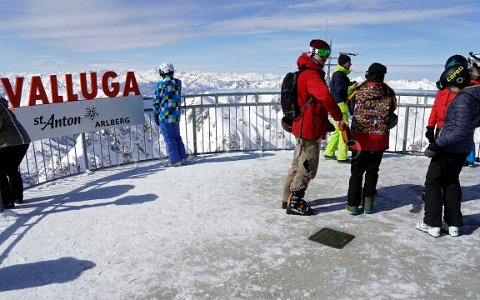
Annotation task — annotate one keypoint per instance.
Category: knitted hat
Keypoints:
(377, 68)
(343, 59)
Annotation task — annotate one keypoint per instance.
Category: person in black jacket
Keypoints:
(448, 152)
(340, 87)
(14, 142)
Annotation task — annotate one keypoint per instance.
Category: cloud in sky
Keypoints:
(134, 30)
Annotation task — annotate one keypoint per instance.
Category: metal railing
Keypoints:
(211, 123)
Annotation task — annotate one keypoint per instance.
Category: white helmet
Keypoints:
(166, 68)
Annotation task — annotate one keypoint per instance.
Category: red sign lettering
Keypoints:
(89, 90)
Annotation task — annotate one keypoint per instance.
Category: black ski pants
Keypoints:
(368, 163)
(10, 178)
(443, 177)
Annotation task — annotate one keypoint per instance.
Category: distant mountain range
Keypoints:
(193, 82)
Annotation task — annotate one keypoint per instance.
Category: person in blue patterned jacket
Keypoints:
(166, 108)
(448, 152)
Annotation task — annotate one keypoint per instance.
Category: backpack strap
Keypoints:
(306, 104)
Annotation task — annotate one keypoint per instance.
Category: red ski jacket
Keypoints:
(439, 108)
(312, 123)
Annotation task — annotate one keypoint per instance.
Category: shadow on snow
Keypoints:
(392, 197)
(42, 273)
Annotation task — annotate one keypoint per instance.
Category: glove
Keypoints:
(347, 135)
(156, 119)
(431, 150)
(430, 134)
(330, 127)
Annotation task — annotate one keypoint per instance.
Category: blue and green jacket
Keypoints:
(168, 99)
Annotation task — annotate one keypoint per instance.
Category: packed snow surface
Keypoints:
(214, 229)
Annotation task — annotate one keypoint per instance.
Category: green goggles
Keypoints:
(323, 52)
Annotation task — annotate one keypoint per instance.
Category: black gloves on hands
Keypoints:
(431, 150)
(156, 119)
(430, 134)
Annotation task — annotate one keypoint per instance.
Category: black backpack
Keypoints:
(289, 99)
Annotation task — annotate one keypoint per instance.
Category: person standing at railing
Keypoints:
(448, 152)
(442, 101)
(443, 98)
(166, 108)
(14, 143)
(475, 80)
(373, 104)
(310, 127)
(340, 88)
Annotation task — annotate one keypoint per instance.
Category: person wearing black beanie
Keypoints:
(343, 59)
(373, 105)
(340, 87)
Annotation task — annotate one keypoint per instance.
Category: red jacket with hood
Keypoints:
(314, 120)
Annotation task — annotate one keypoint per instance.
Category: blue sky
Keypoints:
(412, 38)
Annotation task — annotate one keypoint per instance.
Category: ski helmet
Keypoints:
(165, 69)
(456, 60)
(454, 76)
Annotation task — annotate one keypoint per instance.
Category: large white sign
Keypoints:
(53, 120)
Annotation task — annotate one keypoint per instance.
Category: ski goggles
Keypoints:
(322, 52)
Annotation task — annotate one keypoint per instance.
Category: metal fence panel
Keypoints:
(211, 123)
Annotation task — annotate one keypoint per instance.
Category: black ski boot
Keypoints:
(297, 206)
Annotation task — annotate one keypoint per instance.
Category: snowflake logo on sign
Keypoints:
(91, 113)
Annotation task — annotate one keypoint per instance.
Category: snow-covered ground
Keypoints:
(214, 230)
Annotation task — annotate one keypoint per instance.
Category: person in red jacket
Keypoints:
(373, 104)
(443, 98)
(439, 108)
(310, 127)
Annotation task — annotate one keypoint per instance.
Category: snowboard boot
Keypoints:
(297, 206)
(368, 205)
(353, 210)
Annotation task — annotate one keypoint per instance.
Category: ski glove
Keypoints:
(430, 134)
(431, 150)
(156, 119)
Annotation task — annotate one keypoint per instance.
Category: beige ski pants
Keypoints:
(304, 166)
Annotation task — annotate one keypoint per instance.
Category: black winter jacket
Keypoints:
(11, 131)
(461, 119)
(339, 86)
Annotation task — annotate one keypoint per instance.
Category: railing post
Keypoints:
(194, 130)
(405, 129)
(84, 149)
